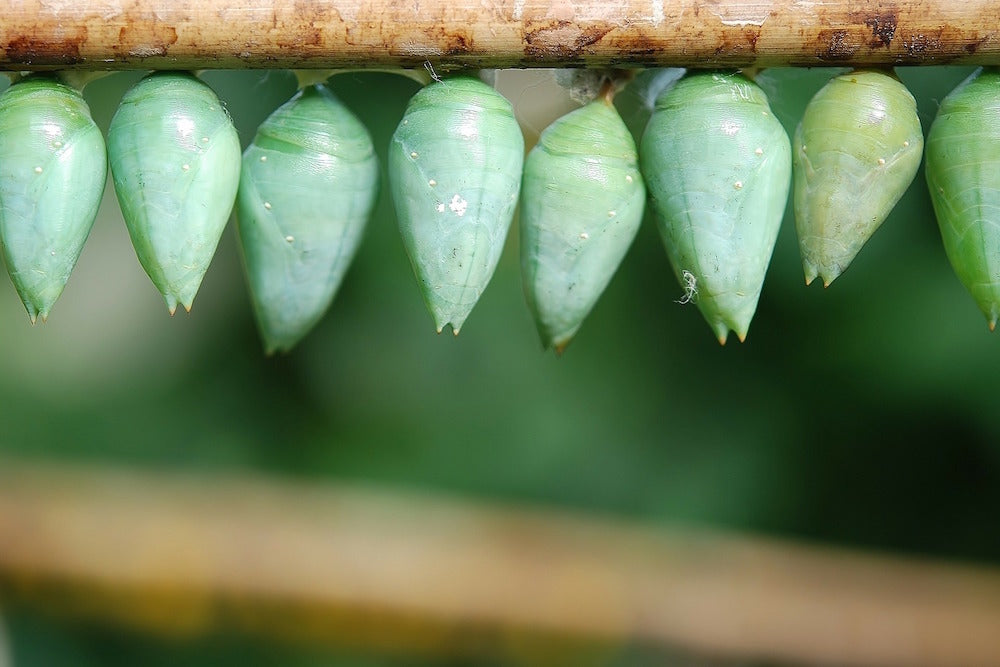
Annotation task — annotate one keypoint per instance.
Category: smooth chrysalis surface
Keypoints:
(175, 160)
(308, 186)
(857, 150)
(963, 176)
(582, 200)
(455, 165)
(717, 164)
(53, 167)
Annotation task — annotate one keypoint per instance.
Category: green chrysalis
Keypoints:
(857, 150)
(455, 165)
(53, 167)
(308, 186)
(963, 176)
(718, 167)
(582, 200)
(175, 159)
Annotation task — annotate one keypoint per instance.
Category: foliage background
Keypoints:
(862, 415)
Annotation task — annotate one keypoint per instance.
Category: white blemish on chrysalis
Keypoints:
(440, 207)
(690, 288)
(730, 128)
(432, 182)
(458, 205)
(803, 148)
(204, 140)
(759, 151)
(38, 170)
(185, 167)
(628, 178)
(185, 126)
(263, 158)
(289, 239)
(468, 131)
(584, 236)
(57, 144)
(906, 144)
(738, 185)
(881, 162)
(612, 214)
(414, 155)
(267, 205)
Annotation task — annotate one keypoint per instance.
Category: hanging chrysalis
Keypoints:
(53, 166)
(963, 176)
(856, 151)
(175, 160)
(582, 201)
(308, 186)
(455, 165)
(718, 167)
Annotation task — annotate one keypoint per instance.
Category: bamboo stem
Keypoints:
(163, 34)
(187, 555)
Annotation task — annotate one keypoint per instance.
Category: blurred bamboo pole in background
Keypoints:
(158, 34)
(185, 555)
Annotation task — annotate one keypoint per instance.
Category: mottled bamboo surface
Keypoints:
(180, 554)
(158, 34)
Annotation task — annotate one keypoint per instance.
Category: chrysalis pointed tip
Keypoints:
(439, 330)
(33, 317)
(721, 331)
(809, 269)
(742, 335)
(455, 331)
(993, 325)
(171, 304)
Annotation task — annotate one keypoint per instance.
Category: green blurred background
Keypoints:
(861, 415)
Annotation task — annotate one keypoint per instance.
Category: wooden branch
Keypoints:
(162, 34)
(186, 555)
